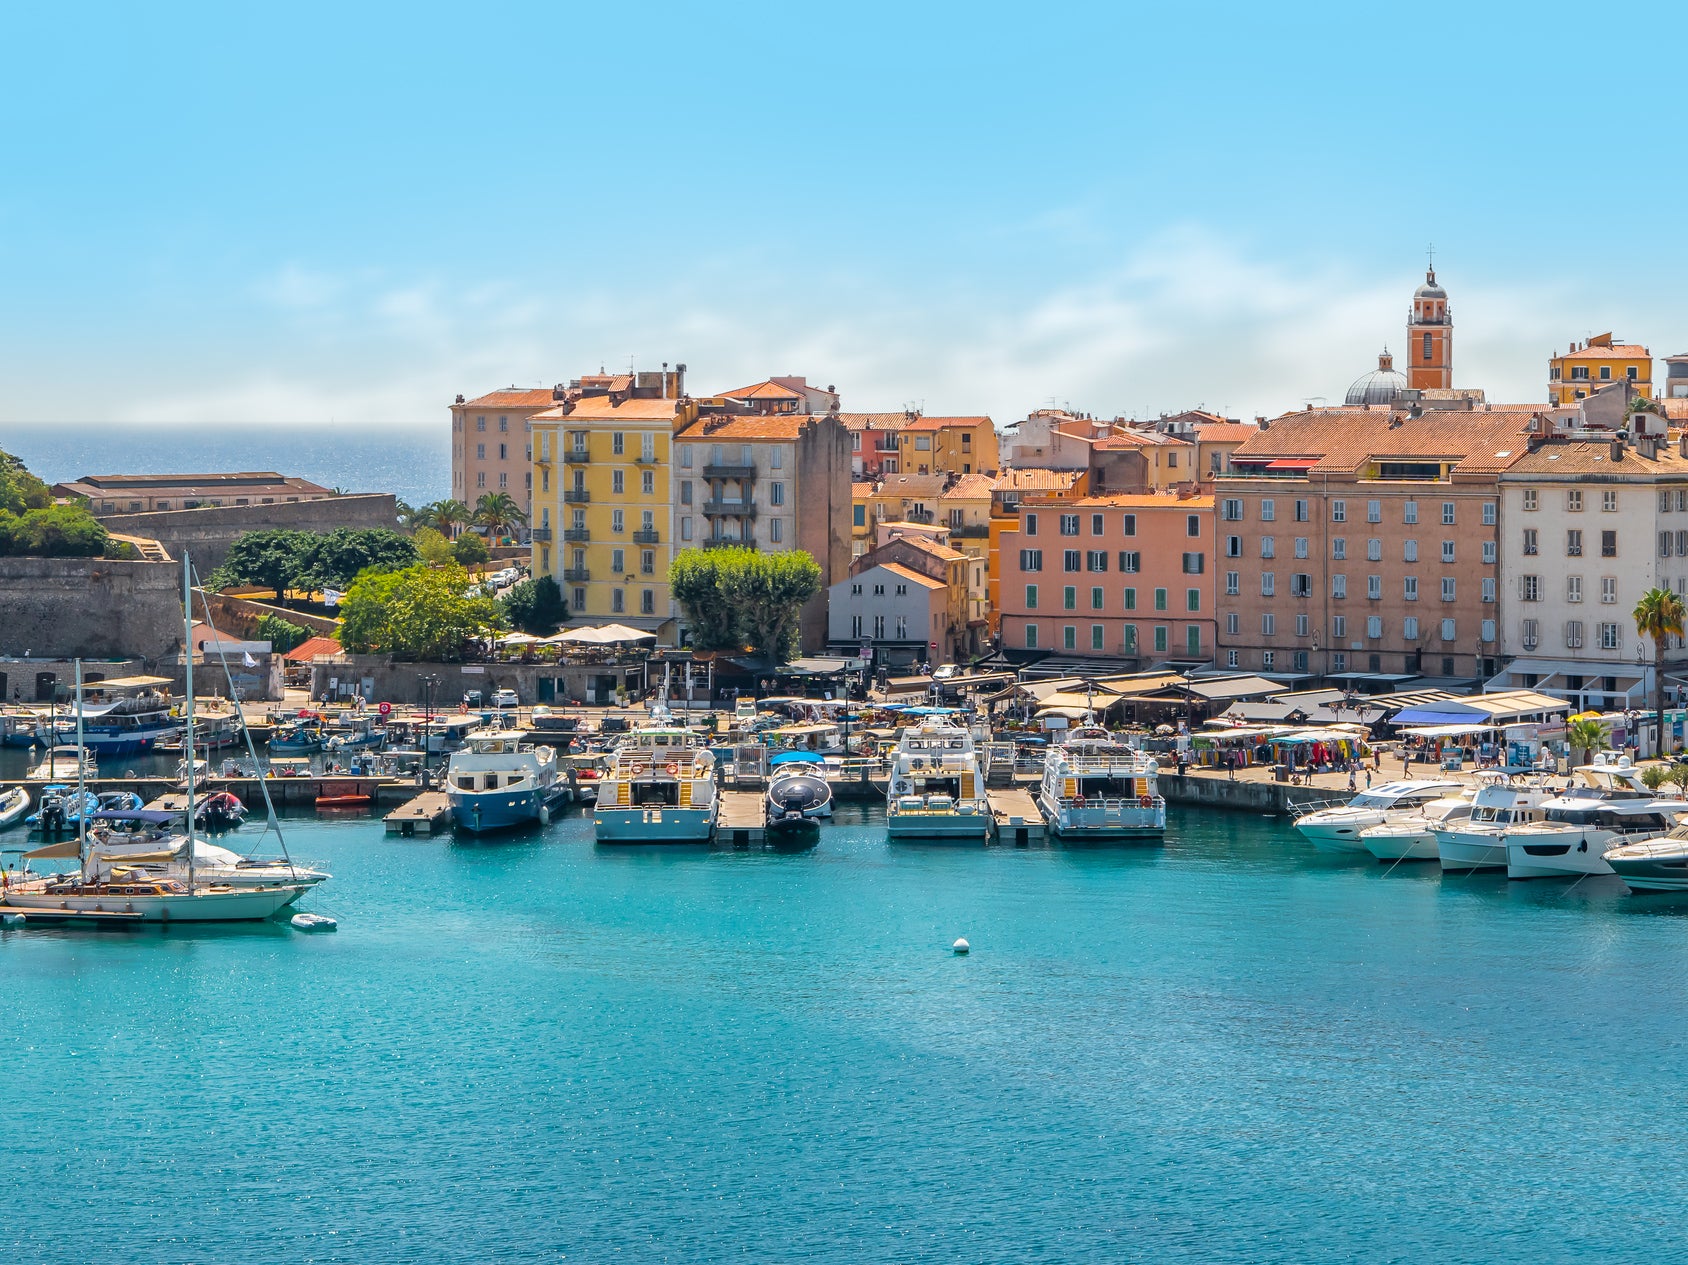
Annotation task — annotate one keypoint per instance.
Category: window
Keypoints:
(1425, 354)
(902, 590)
(1193, 640)
(1447, 513)
(1300, 584)
(776, 529)
(503, 480)
(1031, 636)
(1448, 588)
(1573, 588)
(1374, 626)
(647, 482)
(1409, 587)
(1301, 625)
(1031, 597)
(1130, 599)
(1268, 584)
(1301, 546)
(1409, 550)
(504, 423)
(1339, 511)
(1071, 559)
(1192, 524)
(1069, 598)
(618, 481)
(1069, 636)
(1268, 510)
(776, 457)
(1374, 551)
(1130, 560)
(1374, 511)
(1129, 522)
(1160, 639)
(1489, 552)
(1192, 599)
(1268, 547)
(1338, 661)
(1573, 634)
(1301, 512)
(618, 522)
(1609, 637)
(1488, 588)
(1031, 559)
(1527, 634)
(1449, 633)
(1096, 636)
(856, 591)
(1268, 625)
(686, 499)
(1608, 544)
(1529, 498)
(685, 456)
(1233, 583)
(1339, 625)
(1573, 544)
(1573, 500)
(618, 443)
(1409, 512)
(1339, 547)
(1233, 546)
(503, 452)
(1172, 461)
(686, 528)
(1266, 657)
(480, 482)
(1409, 628)
(1374, 587)
(924, 444)
(1339, 586)
(480, 452)
(1231, 659)
(1195, 563)
(1233, 624)
(1530, 548)
(1160, 599)
(1447, 551)
(1608, 589)
(647, 561)
(1130, 646)
(1030, 525)
(1095, 598)
(1069, 524)
(618, 561)
(1096, 560)
(1529, 588)
(1488, 632)
(776, 493)
(1095, 524)
(618, 601)
(1231, 511)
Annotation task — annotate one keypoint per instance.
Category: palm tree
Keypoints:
(498, 513)
(406, 514)
(1587, 736)
(1659, 615)
(450, 516)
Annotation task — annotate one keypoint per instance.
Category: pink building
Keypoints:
(1111, 576)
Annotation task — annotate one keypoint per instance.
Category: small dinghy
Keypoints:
(222, 811)
(13, 805)
(313, 922)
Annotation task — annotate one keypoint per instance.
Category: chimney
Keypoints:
(460, 399)
(1617, 450)
(1682, 445)
(558, 391)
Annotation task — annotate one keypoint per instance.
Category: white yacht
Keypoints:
(63, 763)
(140, 845)
(1412, 836)
(1097, 787)
(1653, 865)
(498, 781)
(1338, 829)
(1580, 827)
(660, 789)
(1502, 801)
(937, 786)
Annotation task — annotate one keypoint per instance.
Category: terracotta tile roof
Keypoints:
(1032, 480)
(969, 487)
(1140, 439)
(927, 545)
(1140, 500)
(925, 581)
(311, 647)
(512, 398)
(1344, 439)
(1676, 410)
(861, 491)
(944, 423)
(778, 426)
(1226, 432)
(602, 408)
(910, 485)
(873, 421)
(768, 390)
(1616, 351)
(1595, 457)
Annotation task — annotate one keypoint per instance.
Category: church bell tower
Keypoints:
(1430, 337)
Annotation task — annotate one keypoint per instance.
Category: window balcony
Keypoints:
(723, 542)
(740, 509)
(576, 535)
(577, 496)
(576, 575)
(540, 533)
(642, 460)
(729, 472)
(576, 456)
(646, 536)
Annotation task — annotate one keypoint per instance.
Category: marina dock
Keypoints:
(1018, 821)
(428, 814)
(743, 819)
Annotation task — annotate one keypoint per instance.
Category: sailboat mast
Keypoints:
(187, 643)
(81, 783)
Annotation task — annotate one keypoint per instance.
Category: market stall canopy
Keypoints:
(1447, 731)
(1481, 709)
(1070, 713)
(1235, 687)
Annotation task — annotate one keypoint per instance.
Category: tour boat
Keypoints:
(660, 789)
(1096, 787)
(1337, 829)
(1578, 828)
(1412, 836)
(1477, 842)
(936, 789)
(137, 721)
(798, 793)
(1653, 865)
(499, 781)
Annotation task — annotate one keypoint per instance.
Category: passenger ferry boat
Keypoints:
(136, 721)
(660, 789)
(1097, 787)
(937, 786)
(499, 781)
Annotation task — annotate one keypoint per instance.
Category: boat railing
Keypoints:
(1116, 803)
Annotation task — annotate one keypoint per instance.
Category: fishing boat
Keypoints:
(297, 737)
(14, 805)
(798, 793)
(660, 789)
(1096, 787)
(353, 733)
(64, 762)
(445, 734)
(499, 781)
(937, 786)
(19, 727)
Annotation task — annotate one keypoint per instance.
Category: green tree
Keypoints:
(420, 612)
(470, 550)
(1587, 736)
(338, 557)
(268, 559)
(498, 514)
(283, 635)
(1678, 776)
(450, 516)
(19, 489)
(697, 578)
(1654, 776)
(770, 589)
(535, 606)
(431, 547)
(1659, 615)
(59, 531)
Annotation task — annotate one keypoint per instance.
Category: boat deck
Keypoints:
(1017, 818)
(743, 818)
(428, 814)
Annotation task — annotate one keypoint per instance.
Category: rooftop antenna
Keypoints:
(1430, 250)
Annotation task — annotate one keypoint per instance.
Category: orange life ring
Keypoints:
(1078, 801)
(638, 769)
(1145, 801)
(673, 769)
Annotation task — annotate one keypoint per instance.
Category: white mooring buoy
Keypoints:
(961, 947)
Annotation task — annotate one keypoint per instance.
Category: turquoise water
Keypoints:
(1226, 1049)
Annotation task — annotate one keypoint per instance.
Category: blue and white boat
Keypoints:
(62, 809)
(661, 789)
(936, 790)
(137, 720)
(297, 737)
(353, 733)
(498, 781)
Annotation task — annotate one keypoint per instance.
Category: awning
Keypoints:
(1293, 463)
(1448, 731)
(1432, 716)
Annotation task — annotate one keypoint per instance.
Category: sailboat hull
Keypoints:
(213, 905)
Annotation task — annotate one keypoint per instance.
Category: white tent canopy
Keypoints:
(608, 635)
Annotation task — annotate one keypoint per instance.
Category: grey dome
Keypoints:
(1430, 289)
(1383, 385)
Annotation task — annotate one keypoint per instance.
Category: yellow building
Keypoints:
(947, 445)
(1587, 367)
(603, 522)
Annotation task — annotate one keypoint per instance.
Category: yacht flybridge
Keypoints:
(661, 789)
(1098, 787)
(1338, 829)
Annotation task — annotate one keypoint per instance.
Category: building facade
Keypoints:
(1110, 576)
(492, 444)
(947, 445)
(1599, 362)
(874, 448)
(154, 493)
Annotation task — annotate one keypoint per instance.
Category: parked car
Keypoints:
(506, 698)
(946, 672)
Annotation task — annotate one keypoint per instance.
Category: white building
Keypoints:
(901, 613)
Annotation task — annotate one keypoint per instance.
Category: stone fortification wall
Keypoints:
(89, 608)
(207, 532)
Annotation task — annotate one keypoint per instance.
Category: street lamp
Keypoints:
(429, 683)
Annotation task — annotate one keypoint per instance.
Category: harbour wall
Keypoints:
(1268, 799)
(207, 532)
(379, 677)
(90, 608)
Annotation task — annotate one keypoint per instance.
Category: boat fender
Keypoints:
(1144, 801)
(545, 814)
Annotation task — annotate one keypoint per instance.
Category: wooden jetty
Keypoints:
(428, 814)
(1015, 812)
(96, 917)
(743, 819)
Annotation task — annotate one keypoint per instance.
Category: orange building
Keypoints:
(1007, 491)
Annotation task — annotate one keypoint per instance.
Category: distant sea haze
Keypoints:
(413, 465)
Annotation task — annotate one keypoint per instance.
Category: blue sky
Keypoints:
(349, 213)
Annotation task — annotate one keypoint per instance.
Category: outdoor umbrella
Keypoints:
(608, 635)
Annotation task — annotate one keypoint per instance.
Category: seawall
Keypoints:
(1267, 799)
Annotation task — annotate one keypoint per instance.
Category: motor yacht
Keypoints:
(1503, 800)
(1412, 836)
(498, 781)
(1659, 864)
(1097, 787)
(1580, 827)
(936, 789)
(1337, 829)
(660, 789)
